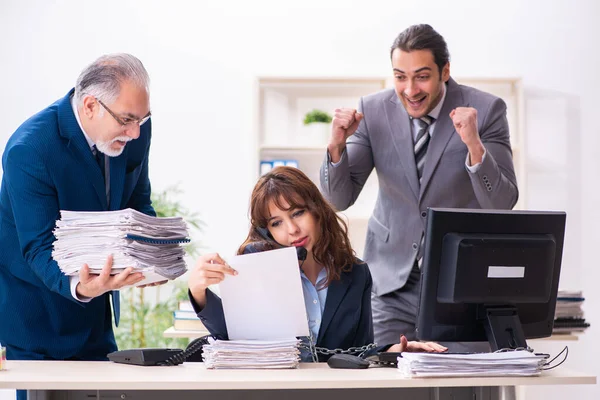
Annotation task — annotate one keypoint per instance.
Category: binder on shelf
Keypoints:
(185, 319)
(267, 165)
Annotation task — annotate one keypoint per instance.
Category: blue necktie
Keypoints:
(116, 298)
(100, 160)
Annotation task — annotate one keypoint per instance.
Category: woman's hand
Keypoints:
(416, 347)
(210, 269)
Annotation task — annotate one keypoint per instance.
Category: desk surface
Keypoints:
(105, 375)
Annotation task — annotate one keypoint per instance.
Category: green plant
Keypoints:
(143, 320)
(316, 116)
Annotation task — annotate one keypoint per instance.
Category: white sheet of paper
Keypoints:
(265, 300)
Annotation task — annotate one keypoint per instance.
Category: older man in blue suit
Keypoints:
(56, 161)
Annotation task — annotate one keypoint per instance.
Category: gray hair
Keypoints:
(103, 78)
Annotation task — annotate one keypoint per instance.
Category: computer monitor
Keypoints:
(489, 275)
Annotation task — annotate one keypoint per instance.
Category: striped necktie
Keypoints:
(421, 143)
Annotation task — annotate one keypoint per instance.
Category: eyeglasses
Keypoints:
(127, 121)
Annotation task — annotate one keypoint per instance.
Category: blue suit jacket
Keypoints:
(347, 319)
(48, 166)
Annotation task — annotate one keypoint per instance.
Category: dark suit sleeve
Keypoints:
(341, 184)
(35, 210)
(364, 334)
(495, 183)
(211, 315)
(140, 198)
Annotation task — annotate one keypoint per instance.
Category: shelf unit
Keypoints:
(280, 135)
(171, 332)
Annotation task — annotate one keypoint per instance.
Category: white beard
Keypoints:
(105, 147)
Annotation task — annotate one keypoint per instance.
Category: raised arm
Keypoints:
(349, 159)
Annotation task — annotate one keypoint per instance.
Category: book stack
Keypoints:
(185, 319)
(569, 316)
(151, 245)
(245, 354)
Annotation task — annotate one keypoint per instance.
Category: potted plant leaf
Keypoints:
(316, 128)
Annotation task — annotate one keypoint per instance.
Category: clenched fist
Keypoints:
(344, 124)
(464, 120)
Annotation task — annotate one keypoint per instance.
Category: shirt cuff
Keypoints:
(475, 168)
(73, 281)
(337, 163)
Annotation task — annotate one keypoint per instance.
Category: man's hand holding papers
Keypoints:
(92, 285)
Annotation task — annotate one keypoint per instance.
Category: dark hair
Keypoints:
(333, 250)
(423, 37)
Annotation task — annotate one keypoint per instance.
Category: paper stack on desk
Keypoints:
(148, 244)
(509, 363)
(244, 354)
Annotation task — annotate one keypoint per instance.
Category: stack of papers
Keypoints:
(569, 315)
(509, 363)
(568, 304)
(148, 244)
(243, 354)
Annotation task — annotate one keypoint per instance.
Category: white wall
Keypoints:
(203, 58)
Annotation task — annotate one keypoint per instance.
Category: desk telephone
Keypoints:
(148, 357)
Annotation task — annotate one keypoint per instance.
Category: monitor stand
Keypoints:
(503, 328)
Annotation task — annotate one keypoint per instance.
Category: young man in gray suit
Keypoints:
(434, 143)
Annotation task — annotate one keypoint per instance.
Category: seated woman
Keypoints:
(287, 209)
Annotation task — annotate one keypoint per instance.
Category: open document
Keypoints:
(151, 245)
(264, 301)
(509, 363)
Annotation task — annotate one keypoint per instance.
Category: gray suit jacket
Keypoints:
(384, 141)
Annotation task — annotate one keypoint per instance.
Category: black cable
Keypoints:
(566, 349)
(192, 348)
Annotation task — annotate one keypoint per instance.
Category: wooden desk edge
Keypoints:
(72, 375)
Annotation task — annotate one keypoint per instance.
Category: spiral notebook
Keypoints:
(153, 240)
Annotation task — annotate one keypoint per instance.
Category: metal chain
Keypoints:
(504, 350)
(351, 350)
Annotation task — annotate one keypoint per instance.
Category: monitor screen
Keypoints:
(490, 275)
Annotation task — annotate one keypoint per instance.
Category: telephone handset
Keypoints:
(265, 234)
(147, 357)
